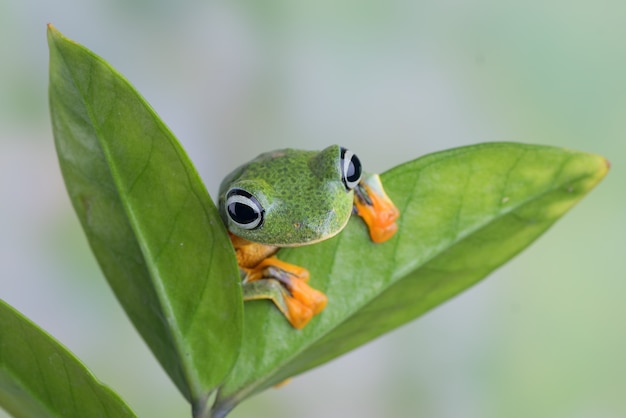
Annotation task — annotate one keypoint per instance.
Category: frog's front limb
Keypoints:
(375, 208)
(267, 277)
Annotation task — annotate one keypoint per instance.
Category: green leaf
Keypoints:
(464, 212)
(149, 219)
(40, 378)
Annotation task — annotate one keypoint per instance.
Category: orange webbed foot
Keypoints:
(376, 209)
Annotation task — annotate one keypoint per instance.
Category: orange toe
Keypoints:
(298, 313)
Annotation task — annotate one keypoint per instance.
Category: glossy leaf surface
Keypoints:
(149, 219)
(40, 378)
(464, 212)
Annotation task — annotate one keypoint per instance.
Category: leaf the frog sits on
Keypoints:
(288, 198)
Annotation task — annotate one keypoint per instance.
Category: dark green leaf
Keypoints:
(40, 378)
(150, 222)
(464, 212)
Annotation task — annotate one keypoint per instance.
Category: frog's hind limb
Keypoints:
(286, 285)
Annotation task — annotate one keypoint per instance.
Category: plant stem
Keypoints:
(202, 407)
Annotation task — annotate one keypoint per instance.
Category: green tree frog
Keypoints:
(288, 198)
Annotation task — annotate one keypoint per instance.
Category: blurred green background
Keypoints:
(542, 337)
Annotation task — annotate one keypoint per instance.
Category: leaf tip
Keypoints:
(593, 168)
(607, 165)
(604, 165)
(52, 31)
(54, 35)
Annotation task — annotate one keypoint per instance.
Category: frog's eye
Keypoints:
(350, 169)
(244, 209)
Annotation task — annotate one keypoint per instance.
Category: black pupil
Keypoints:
(354, 170)
(242, 213)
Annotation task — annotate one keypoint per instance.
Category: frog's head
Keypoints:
(291, 197)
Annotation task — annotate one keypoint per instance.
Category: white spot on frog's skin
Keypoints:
(504, 200)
